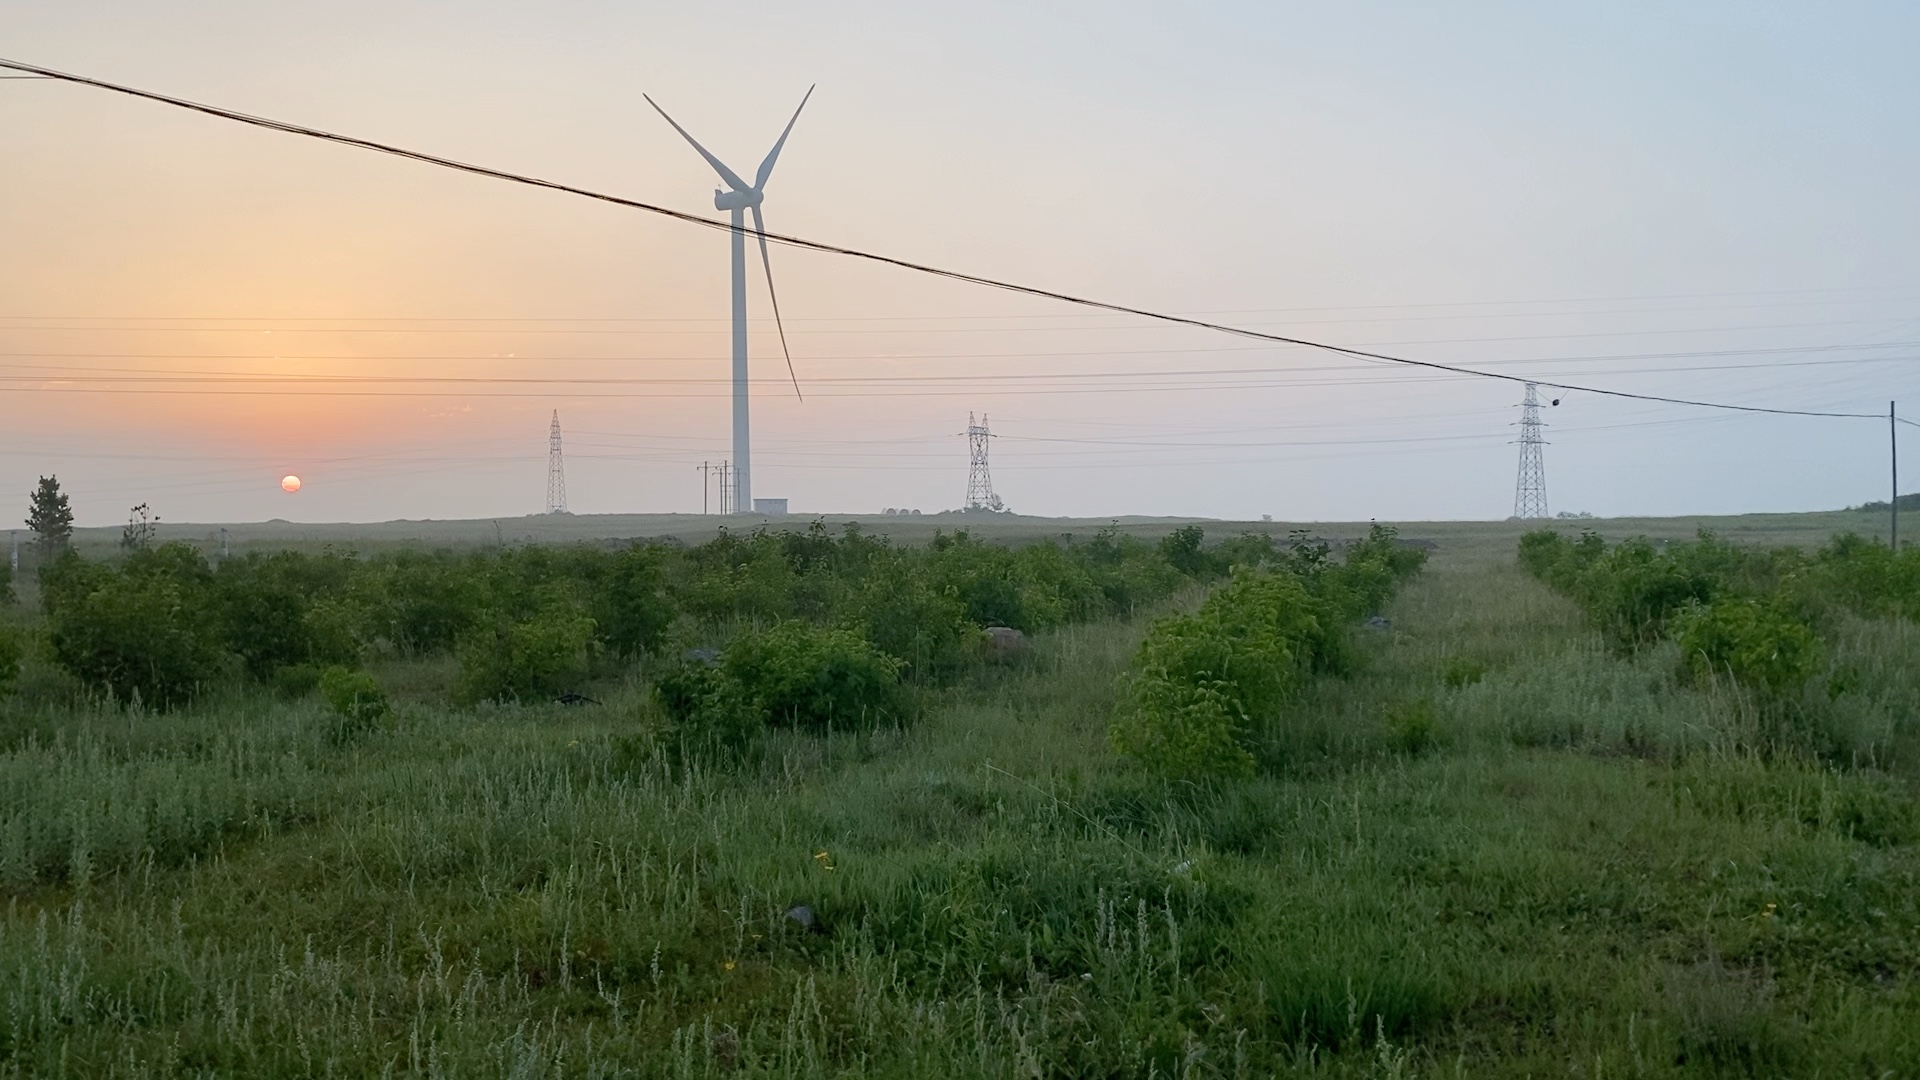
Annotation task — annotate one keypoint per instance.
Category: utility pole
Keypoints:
(13, 538)
(1893, 455)
(1530, 489)
(727, 479)
(703, 469)
(226, 548)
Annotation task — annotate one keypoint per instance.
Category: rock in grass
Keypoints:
(802, 916)
(1378, 622)
(1004, 642)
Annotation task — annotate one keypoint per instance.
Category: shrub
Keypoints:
(1202, 681)
(1126, 572)
(1382, 546)
(1187, 730)
(1753, 641)
(739, 578)
(1411, 724)
(1249, 636)
(630, 610)
(906, 617)
(1633, 589)
(6, 584)
(1183, 551)
(146, 632)
(1869, 577)
(1248, 549)
(354, 695)
(283, 610)
(705, 713)
(10, 655)
(1559, 563)
(984, 579)
(508, 660)
(295, 680)
(796, 675)
(421, 602)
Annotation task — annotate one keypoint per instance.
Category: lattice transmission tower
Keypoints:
(556, 470)
(1530, 489)
(980, 494)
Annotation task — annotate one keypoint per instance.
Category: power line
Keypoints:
(42, 373)
(283, 328)
(1058, 315)
(1022, 355)
(886, 260)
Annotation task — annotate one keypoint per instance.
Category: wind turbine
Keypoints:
(738, 197)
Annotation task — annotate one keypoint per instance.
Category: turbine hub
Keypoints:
(736, 200)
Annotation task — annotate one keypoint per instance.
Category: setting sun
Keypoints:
(290, 484)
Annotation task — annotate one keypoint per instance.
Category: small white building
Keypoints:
(770, 507)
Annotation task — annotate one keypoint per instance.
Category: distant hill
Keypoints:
(1909, 501)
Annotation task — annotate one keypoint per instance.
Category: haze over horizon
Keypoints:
(1709, 203)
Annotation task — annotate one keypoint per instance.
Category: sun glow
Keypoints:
(289, 484)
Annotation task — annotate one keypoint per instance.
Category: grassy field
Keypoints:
(1498, 848)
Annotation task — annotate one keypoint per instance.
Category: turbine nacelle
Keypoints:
(736, 200)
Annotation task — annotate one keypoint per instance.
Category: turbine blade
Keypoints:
(760, 232)
(766, 167)
(733, 179)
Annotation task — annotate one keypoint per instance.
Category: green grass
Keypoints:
(1498, 849)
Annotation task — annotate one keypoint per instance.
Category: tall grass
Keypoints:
(1497, 848)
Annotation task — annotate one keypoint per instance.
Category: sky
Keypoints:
(1710, 201)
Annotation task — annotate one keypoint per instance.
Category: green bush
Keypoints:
(796, 675)
(1869, 577)
(907, 617)
(1183, 550)
(286, 609)
(11, 652)
(295, 680)
(147, 632)
(705, 712)
(1559, 563)
(1249, 549)
(1412, 724)
(1633, 589)
(523, 660)
(420, 602)
(7, 596)
(630, 610)
(1202, 682)
(1753, 641)
(1183, 729)
(354, 696)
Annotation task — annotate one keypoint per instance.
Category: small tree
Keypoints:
(141, 528)
(50, 518)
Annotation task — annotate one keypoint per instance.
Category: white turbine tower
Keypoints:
(739, 197)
